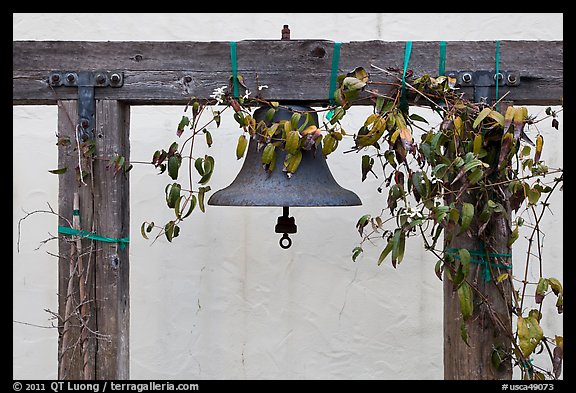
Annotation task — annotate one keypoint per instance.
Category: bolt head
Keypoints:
(84, 123)
(115, 78)
(100, 79)
(55, 78)
(70, 77)
(467, 78)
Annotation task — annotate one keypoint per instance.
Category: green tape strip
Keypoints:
(234, 62)
(442, 62)
(482, 260)
(75, 212)
(333, 77)
(407, 51)
(334, 72)
(77, 232)
(497, 55)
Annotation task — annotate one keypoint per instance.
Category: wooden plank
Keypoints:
(155, 72)
(112, 219)
(491, 318)
(72, 362)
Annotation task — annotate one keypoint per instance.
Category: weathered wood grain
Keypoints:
(169, 73)
(112, 219)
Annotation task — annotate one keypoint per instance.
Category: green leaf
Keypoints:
(464, 261)
(367, 163)
(241, 146)
(217, 118)
(59, 171)
(171, 230)
(174, 163)
(386, 251)
(294, 120)
(183, 123)
(466, 217)
(292, 162)
(292, 141)
(329, 144)
(513, 236)
(466, 298)
(173, 194)
(438, 269)
(416, 117)
(362, 222)
(268, 154)
(201, 192)
(198, 166)
(269, 115)
(355, 252)
(439, 171)
(208, 169)
(142, 231)
(191, 206)
(464, 332)
(481, 116)
(209, 140)
(398, 247)
(533, 195)
(475, 176)
(529, 334)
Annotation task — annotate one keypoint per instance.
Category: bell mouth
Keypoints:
(312, 185)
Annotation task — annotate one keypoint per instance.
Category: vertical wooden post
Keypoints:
(104, 210)
(72, 364)
(473, 361)
(112, 219)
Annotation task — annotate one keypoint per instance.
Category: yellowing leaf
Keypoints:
(481, 116)
(458, 126)
(241, 146)
(529, 334)
(477, 144)
(539, 144)
(292, 142)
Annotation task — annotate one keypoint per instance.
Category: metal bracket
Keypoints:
(483, 81)
(86, 81)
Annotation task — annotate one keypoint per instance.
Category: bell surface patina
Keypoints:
(311, 185)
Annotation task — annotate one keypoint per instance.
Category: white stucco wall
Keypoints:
(224, 301)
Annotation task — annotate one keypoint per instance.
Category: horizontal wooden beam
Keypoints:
(169, 73)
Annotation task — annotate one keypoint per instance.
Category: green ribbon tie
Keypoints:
(234, 68)
(407, 51)
(479, 257)
(333, 77)
(442, 62)
(89, 235)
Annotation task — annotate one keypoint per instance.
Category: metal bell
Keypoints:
(311, 185)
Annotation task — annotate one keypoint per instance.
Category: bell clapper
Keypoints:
(285, 225)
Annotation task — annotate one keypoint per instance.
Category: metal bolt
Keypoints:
(84, 123)
(55, 78)
(498, 76)
(512, 78)
(187, 79)
(100, 79)
(285, 33)
(70, 77)
(115, 78)
(467, 78)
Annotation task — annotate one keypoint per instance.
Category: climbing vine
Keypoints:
(462, 179)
